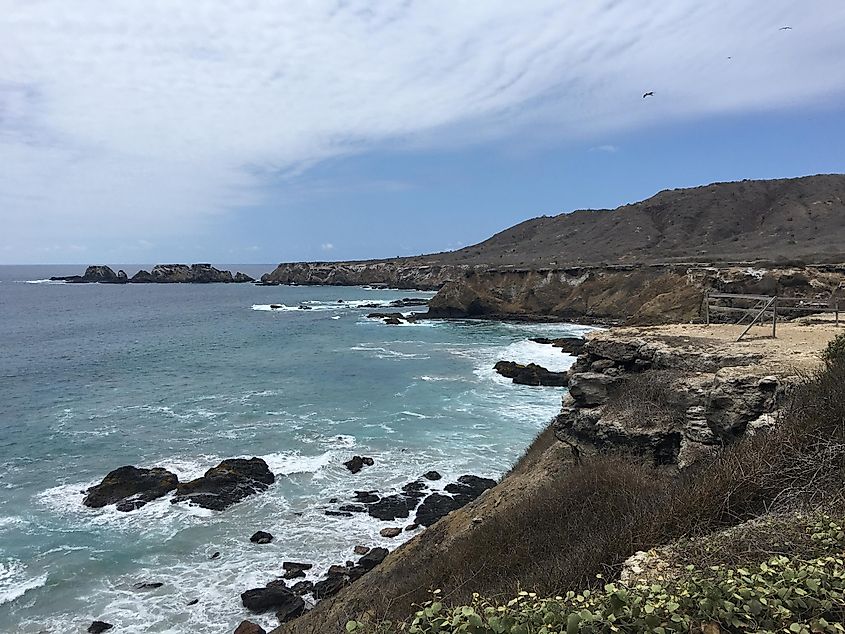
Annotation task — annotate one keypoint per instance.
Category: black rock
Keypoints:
(248, 627)
(302, 587)
(295, 565)
(432, 475)
(338, 513)
(227, 483)
(95, 274)
(147, 585)
(436, 505)
(366, 497)
(193, 602)
(392, 507)
(415, 489)
(131, 486)
(215, 555)
(271, 597)
(98, 627)
(353, 508)
(373, 558)
(569, 345)
(261, 537)
(329, 586)
(470, 486)
(356, 463)
(531, 374)
(291, 610)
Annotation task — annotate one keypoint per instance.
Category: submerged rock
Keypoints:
(135, 486)
(98, 627)
(531, 374)
(152, 585)
(229, 482)
(432, 475)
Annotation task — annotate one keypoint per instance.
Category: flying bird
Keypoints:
(785, 28)
(648, 94)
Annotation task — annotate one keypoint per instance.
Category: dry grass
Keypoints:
(647, 396)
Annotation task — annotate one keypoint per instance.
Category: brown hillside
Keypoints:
(800, 219)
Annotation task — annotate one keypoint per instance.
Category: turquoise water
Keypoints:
(182, 376)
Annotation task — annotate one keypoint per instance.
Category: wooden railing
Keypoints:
(759, 305)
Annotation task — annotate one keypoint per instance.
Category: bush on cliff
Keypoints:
(779, 594)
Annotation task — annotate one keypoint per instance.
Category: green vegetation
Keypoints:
(743, 559)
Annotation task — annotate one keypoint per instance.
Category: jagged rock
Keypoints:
(392, 507)
(415, 489)
(292, 609)
(590, 388)
(390, 532)
(361, 550)
(432, 475)
(261, 537)
(615, 350)
(242, 278)
(140, 485)
(356, 463)
(366, 497)
(438, 505)
(227, 483)
(373, 558)
(329, 586)
(248, 627)
(94, 275)
(568, 345)
(272, 597)
(98, 627)
(184, 274)
(353, 508)
(531, 374)
(295, 566)
(302, 587)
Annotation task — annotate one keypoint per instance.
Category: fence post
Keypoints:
(707, 307)
(775, 318)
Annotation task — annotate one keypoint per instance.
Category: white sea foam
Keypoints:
(42, 281)
(314, 305)
(15, 582)
(290, 462)
(386, 353)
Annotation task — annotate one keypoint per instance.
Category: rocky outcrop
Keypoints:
(161, 274)
(697, 396)
(567, 345)
(248, 627)
(131, 488)
(641, 294)
(229, 482)
(531, 374)
(185, 274)
(98, 627)
(464, 491)
(405, 274)
(275, 596)
(94, 275)
(356, 463)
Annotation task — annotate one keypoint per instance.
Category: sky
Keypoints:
(258, 131)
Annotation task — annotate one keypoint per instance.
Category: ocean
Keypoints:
(93, 377)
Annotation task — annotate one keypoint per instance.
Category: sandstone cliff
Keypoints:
(404, 274)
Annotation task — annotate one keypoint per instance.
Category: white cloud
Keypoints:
(607, 149)
(148, 114)
(327, 246)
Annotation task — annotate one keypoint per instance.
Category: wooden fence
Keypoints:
(762, 308)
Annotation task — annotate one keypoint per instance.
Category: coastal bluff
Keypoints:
(696, 391)
(160, 274)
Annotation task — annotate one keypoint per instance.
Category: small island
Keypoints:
(160, 274)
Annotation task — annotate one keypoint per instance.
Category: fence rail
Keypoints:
(763, 304)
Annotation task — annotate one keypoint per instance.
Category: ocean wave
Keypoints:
(15, 582)
(386, 353)
(315, 305)
(48, 281)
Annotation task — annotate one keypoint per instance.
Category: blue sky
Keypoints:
(259, 132)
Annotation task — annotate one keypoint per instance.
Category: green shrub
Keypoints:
(835, 351)
(781, 594)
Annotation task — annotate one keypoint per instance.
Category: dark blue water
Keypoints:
(97, 376)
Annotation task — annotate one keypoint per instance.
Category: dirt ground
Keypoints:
(797, 346)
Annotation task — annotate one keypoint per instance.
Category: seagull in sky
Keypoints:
(648, 94)
(785, 28)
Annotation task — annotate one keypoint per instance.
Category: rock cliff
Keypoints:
(404, 274)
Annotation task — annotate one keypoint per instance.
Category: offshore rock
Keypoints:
(98, 627)
(568, 345)
(133, 485)
(273, 597)
(356, 463)
(185, 274)
(227, 483)
(531, 374)
(248, 627)
(94, 275)
(261, 537)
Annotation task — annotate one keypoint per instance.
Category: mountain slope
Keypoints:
(793, 219)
